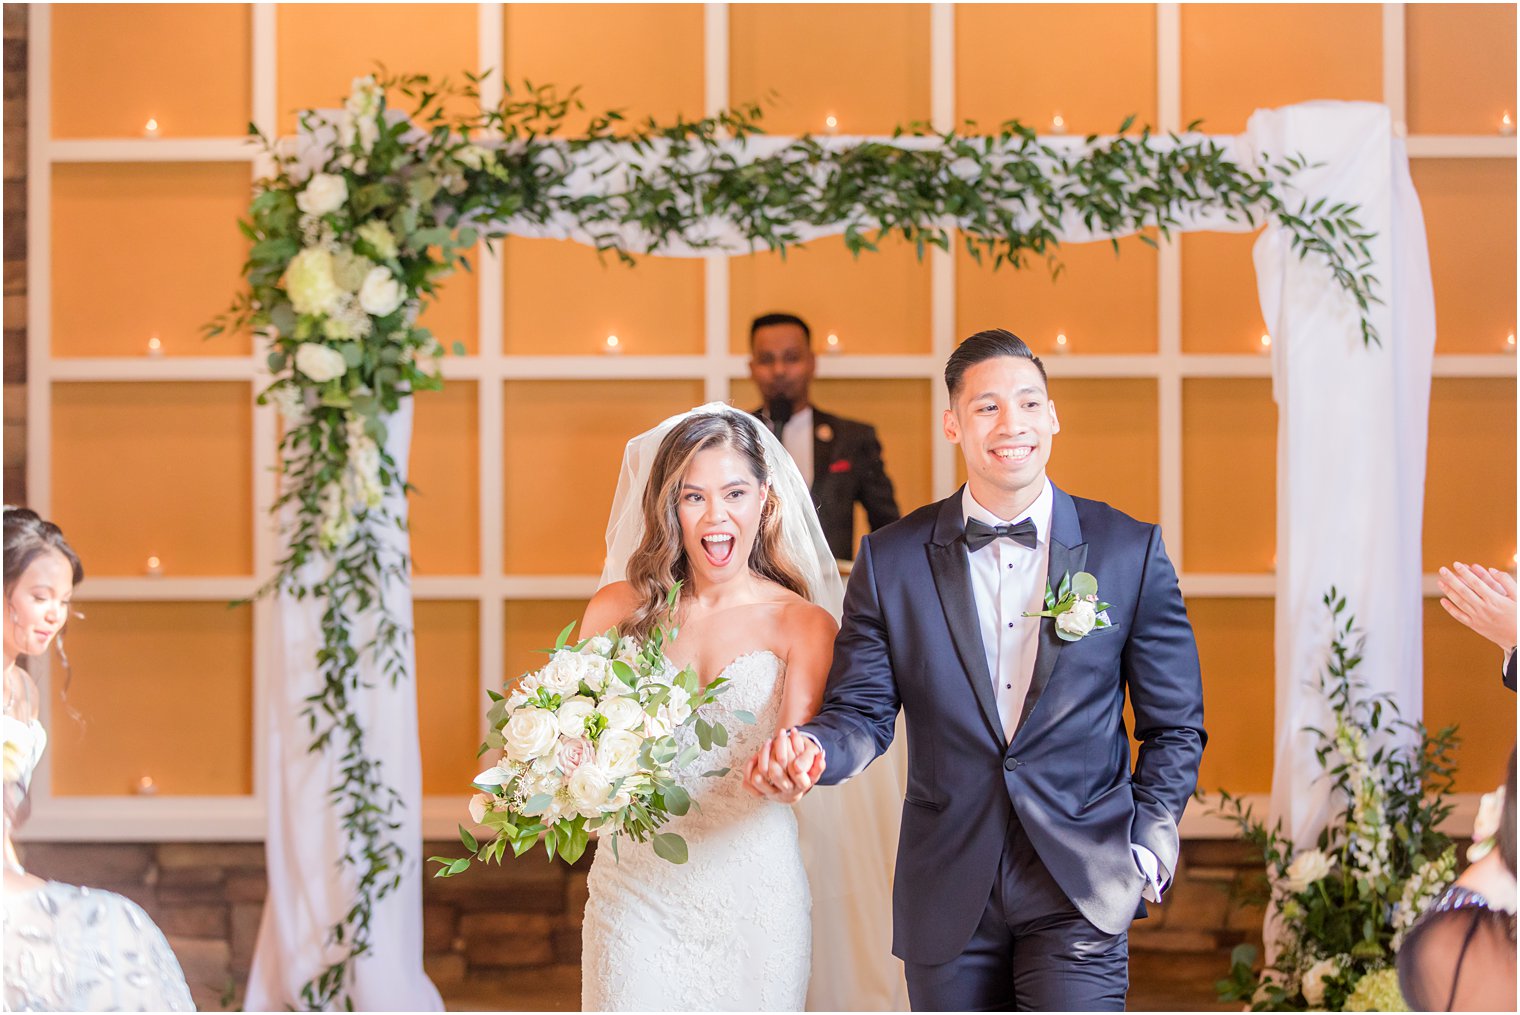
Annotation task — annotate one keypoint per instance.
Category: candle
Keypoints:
(1061, 342)
(1507, 125)
(155, 566)
(1266, 344)
(832, 343)
(146, 786)
(150, 129)
(155, 347)
(1058, 124)
(831, 123)
(1510, 340)
(613, 345)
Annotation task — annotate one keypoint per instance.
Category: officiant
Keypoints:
(840, 458)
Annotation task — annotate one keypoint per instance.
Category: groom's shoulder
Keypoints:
(1103, 517)
(911, 530)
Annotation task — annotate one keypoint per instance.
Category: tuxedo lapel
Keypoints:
(952, 578)
(1068, 555)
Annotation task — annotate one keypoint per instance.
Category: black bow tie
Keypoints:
(979, 533)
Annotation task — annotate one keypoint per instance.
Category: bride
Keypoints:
(708, 499)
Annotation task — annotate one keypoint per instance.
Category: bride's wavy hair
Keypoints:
(660, 560)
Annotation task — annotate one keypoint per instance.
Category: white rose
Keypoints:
(572, 754)
(562, 675)
(601, 645)
(659, 724)
(320, 362)
(618, 752)
(572, 715)
(590, 788)
(622, 713)
(679, 705)
(478, 804)
(1079, 619)
(309, 282)
(380, 238)
(1314, 979)
(324, 193)
(1306, 868)
(531, 733)
(381, 293)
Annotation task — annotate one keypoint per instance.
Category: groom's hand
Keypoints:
(785, 767)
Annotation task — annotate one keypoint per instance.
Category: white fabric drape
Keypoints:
(308, 891)
(1352, 423)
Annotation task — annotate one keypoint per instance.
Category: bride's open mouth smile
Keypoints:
(718, 547)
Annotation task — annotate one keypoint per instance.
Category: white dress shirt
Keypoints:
(1007, 581)
(797, 438)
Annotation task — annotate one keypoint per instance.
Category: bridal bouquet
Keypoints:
(588, 744)
(1343, 907)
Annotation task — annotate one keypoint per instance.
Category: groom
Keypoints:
(1027, 841)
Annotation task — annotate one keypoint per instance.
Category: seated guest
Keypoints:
(840, 458)
(1460, 955)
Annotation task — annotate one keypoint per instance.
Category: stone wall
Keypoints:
(509, 937)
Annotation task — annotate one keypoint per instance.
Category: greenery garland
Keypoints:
(370, 208)
(1345, 905)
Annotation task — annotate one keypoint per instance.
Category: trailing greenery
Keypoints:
(369, 209)
(1344, 906)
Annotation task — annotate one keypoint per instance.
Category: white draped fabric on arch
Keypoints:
(1351, 462)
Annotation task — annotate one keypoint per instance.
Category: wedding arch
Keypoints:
(368, 208)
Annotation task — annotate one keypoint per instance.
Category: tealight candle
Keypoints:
(150, 129)
(1061, 343)
(613, 345)
(146, 786)
(1510, 340)
(155, 347)
(831, 343)
(1058, 124)
(1266, 344)
(155, 566)
(831, 123)
(1507, 125)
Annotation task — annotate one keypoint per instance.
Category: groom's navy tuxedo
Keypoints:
(1062, 789)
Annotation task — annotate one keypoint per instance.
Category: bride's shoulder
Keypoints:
(800, 612)
(612, 604)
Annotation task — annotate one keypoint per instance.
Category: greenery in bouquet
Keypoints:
(1342, 908)
(589, 744)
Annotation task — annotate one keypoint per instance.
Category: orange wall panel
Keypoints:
(1220, 309)
(449, 700)
(164, 690)
(1235, 653)
(1229, 475)
(1109, 447)
(1469, 207)
(445, 469)
(1103, 301)
(531, 625)
(453, 315)
(146, 249)
(1011, 62)
(867, 65)
(609, 50)
(1463, 686)
(115, 66)
(321, 48)
(1470, 473)
(1460, 66)
(562, 299)
(877, 303)
(161, 469)
(562, 444)
(1238, 58)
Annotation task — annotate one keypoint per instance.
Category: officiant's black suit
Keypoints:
(1015, 879)
(847, 468)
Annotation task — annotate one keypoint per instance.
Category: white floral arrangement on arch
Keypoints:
(588, 745)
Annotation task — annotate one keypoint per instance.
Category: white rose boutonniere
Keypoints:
(320, 362)
(325, 193)
(1075, 607)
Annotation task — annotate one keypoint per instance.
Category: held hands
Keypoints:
(785, 768)
(1482, 598)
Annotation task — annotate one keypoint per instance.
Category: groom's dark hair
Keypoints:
(982, 346)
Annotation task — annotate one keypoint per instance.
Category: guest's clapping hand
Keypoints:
(785, 767)
(1482, 598)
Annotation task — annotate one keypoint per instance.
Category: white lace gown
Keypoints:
(730, 929)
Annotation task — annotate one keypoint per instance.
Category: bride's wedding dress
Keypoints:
(729, 929)
(68, 948)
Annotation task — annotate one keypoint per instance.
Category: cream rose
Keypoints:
(1078, 620)
(478, 804)
(380, 239)
(324, 193)
(320, 362)
(309, 282)
(531, 733)
(618, 752)
(381, 293)
(572, 715)
(590, 788)
(1306, 868)
(622, 713)
(1314, 979)
(563, 673)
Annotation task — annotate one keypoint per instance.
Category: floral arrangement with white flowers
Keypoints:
(588, 744)
(1343, 907)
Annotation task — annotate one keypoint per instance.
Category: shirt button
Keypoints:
(1010, 623)
(1008, 686)
(1010, 567)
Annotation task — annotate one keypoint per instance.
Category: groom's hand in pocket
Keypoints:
(785, 767)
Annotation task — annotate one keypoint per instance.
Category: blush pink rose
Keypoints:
(573, 754)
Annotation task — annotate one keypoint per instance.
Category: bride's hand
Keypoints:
(785, 767)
